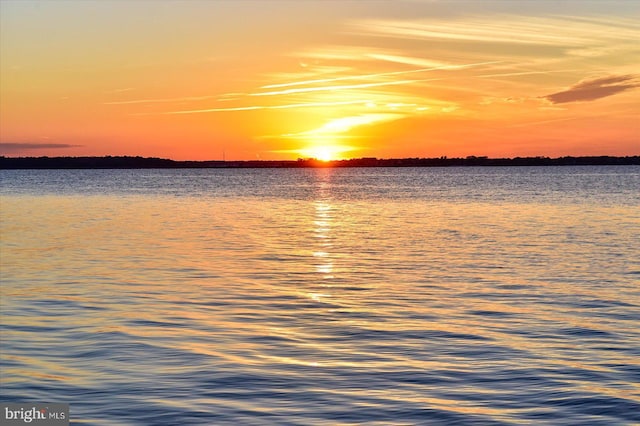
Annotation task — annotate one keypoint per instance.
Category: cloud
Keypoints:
(589, 90)
(336, 128)
(511, 74)
(333, 88)
(7, 148)
(256, 107)
(521, 31)
(409, 60)
(560, 31)
(432, 67)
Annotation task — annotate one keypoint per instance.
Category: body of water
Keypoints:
(399, 296)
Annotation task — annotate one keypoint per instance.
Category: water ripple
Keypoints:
(323, 297)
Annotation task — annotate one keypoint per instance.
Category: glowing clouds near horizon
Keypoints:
(323, 143)
(336, 100)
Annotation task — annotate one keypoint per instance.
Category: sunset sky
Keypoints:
(245, 80)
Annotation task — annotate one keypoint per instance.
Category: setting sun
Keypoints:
(325, 152)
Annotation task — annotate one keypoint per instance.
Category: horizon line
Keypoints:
(138, 162)
(442, 157)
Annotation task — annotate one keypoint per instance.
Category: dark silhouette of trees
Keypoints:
(121, 162)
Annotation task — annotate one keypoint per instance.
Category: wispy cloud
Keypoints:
(344, 124)
(333, 88)
(589, 90)
(409, 60)
(345, 78)
(11, 147)
(434, 66)
(258, 107)
(338, 53)
(338, 128)
(314, 88)
(543, 31)
(512, 74)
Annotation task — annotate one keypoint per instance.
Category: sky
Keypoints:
(246, 80)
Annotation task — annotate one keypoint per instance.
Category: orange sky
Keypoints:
(336, 79)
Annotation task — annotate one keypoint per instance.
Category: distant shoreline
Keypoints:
(126, 162)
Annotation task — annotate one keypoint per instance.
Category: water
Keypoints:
(484, 296)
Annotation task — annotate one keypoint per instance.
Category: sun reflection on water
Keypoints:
(323, 218)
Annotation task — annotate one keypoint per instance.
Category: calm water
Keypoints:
(470, 296)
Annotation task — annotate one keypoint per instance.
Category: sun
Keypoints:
(325, 152)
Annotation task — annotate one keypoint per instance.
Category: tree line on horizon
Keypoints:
(130, 162)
